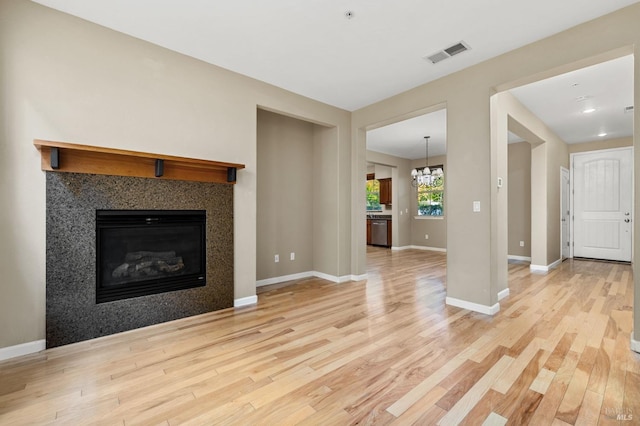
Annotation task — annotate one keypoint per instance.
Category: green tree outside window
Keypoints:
(431, 196)
(373, 195)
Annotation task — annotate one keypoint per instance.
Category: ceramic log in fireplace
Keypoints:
(144, 252)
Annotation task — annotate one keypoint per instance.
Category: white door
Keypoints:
(565, 213)
(602, 200)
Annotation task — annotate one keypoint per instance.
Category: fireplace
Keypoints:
(144, 252)
(72, 314)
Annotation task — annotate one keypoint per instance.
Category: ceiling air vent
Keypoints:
(455, 49)
(437, 57)
(628, 109)
(448, 52)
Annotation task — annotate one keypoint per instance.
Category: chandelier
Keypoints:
(425, 176)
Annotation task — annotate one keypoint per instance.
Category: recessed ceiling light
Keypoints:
(588, 110)
(602, 134)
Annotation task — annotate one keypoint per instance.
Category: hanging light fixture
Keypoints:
(422, 176)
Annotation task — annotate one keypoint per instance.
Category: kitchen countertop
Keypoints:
(379, 216)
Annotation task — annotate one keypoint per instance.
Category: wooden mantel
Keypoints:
(68, 157)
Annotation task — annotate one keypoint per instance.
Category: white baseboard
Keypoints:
(359, 277)
(556, 263)
(22, 349)
(543, 268)
(307, 274)
(245, 301)
(277, 280)
(502, 294)
(538, 268)
(635, 345)
(327, 277)
(523, 258)
(443, 250)
(476, 307)
(332, 278)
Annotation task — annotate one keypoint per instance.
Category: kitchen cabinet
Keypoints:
(385, 191)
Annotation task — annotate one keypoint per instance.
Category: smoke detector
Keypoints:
(448, 52)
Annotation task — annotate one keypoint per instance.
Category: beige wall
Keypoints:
(549, 155)
(474, 255)
(63, 78)
(598, 145)
(519, 178)
(284, 195)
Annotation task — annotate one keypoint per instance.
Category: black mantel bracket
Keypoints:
(55, 158)
(159, 167)
(231, 174)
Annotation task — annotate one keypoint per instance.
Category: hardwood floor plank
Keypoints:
(548, 407)
(431, 416)
(471, 398)
(590, 409)
(510, 375)
(631, 404)
(525, 409)
(614, 393)
(519, 402)
(600, 372)
(572, 401)
(418, 392)
(414, 413)
(494, 420)
(542, 381)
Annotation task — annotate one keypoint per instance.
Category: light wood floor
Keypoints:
(385, 351)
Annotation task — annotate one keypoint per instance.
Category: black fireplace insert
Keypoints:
(144, 252)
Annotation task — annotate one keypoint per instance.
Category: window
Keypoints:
(431, 195)
(373, 195)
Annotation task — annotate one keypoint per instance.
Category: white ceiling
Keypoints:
(405, 139)
(560, 101)
(311, 47)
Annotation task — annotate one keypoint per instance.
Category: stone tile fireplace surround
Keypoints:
(72, 199)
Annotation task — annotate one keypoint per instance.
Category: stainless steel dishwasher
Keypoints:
(379, 232)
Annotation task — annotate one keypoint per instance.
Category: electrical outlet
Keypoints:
(293, 256)
(276, 258)
(521, 243)
(426, 236)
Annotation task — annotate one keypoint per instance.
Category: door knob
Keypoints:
(627, 220)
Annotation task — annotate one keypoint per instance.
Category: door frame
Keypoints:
(569, 207)
(571, 193)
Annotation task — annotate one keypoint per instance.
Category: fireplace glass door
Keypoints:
(143, 252)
